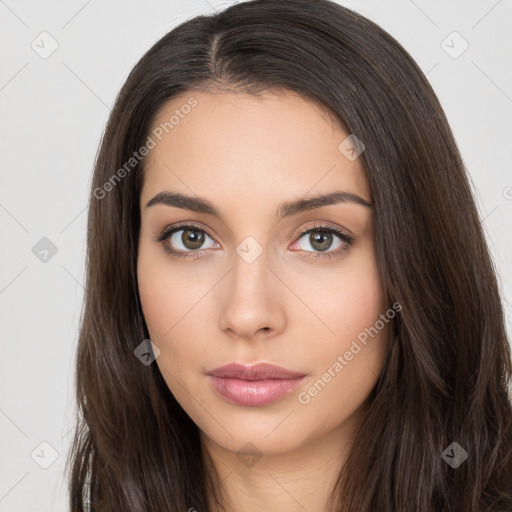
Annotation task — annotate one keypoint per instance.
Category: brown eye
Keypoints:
(192, 238)
(185, 240)
(320, 240)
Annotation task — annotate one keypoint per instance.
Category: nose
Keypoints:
(252, 301)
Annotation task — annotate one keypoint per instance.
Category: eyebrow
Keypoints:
(201, 205)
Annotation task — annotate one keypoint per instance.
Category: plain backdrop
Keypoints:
(53, 109)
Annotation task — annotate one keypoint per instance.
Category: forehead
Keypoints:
(247, 145)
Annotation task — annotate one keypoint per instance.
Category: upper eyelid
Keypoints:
(179, 226)
(324, 225)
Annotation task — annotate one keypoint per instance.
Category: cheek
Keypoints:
(350, 307)
(171, 304)
(155, 301)
(361, 303)
(348, 302)
(165, 295)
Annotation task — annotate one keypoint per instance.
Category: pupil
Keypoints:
(320, 240)
(192, 239)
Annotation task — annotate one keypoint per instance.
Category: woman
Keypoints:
(290, 301)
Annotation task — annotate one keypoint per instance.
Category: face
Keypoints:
(227, 273)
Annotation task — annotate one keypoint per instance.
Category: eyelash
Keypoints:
(170, 230)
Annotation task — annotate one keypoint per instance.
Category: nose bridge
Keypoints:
(250, 269)
(249, 287)
(251, 301)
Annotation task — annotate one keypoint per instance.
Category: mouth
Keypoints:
(254, 385)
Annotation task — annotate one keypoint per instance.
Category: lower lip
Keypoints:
(253, 392)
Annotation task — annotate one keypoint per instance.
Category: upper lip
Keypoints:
(259, 371)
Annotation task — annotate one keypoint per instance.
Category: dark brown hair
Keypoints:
(448, 370)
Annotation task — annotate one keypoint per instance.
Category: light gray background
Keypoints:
(52, 114)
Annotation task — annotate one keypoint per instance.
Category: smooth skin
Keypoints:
(247, 155)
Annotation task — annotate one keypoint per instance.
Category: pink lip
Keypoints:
(255, 385)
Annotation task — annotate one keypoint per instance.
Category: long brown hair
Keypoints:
(448, 370)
